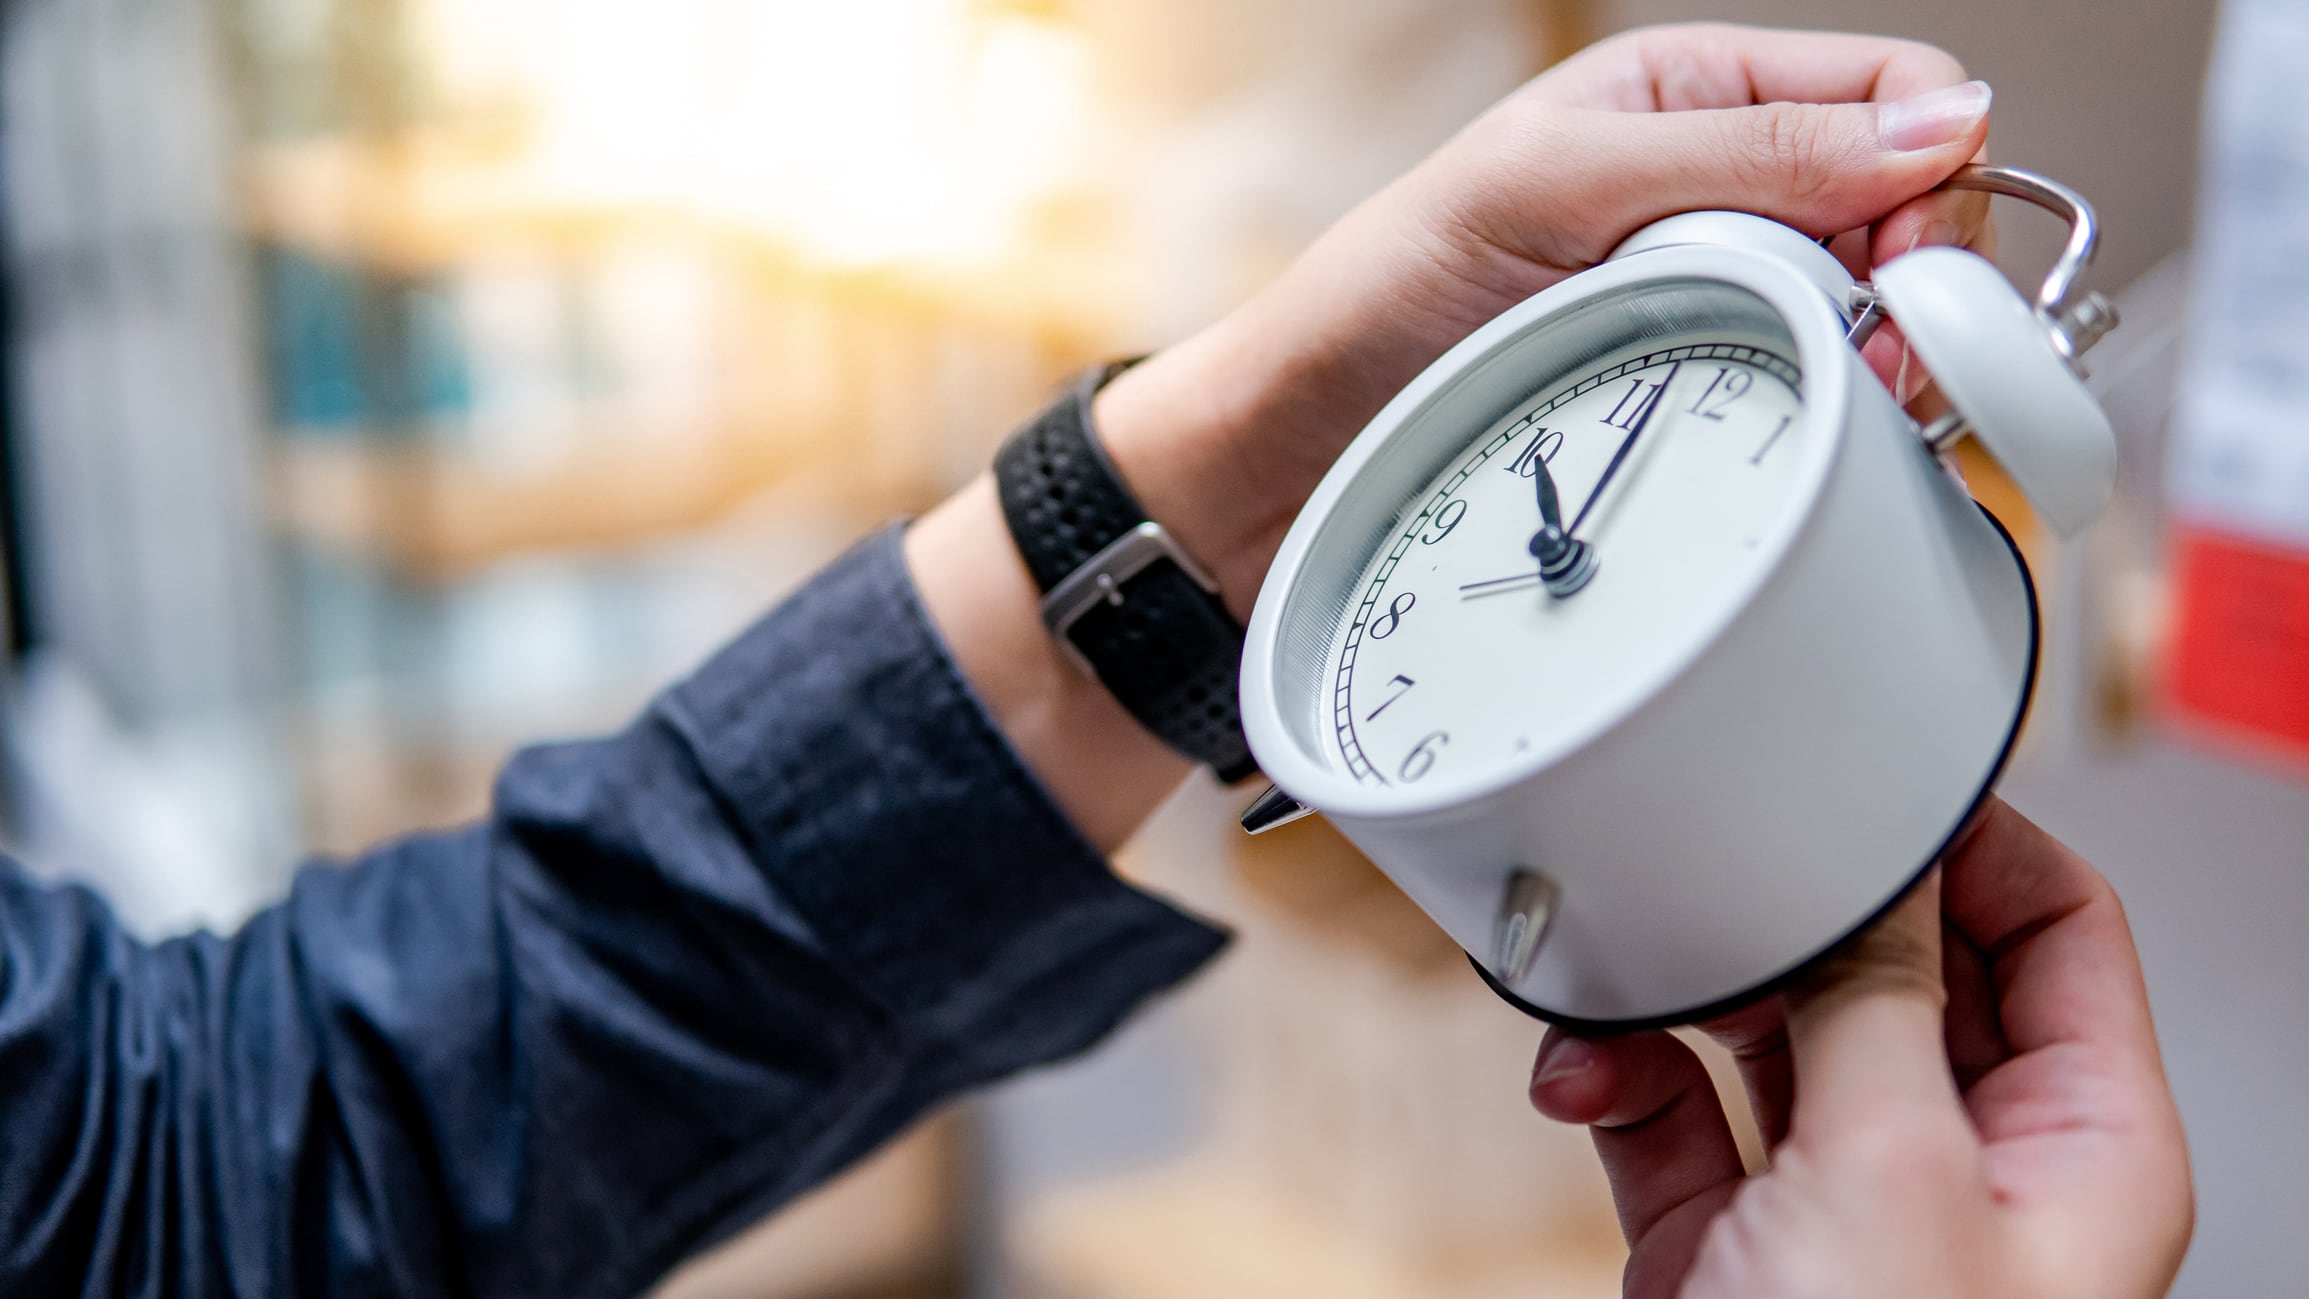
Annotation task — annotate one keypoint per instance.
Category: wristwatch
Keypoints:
(1119, 595)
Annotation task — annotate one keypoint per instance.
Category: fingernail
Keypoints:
(1939, 233)
(1912, 381)
(1932, 119)
(1563, 1058)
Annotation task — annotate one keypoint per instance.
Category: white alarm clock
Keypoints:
(1645, 642)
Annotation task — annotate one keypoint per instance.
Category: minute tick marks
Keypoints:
(1608, 431)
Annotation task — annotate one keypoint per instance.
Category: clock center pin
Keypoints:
(1566, 564)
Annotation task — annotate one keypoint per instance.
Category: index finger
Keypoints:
(1723, 65)
(2055, 936)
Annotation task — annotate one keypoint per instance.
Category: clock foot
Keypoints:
(1272, 809)
(1524, 914)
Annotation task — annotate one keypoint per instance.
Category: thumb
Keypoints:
(1822, 168)
(1865, 1028)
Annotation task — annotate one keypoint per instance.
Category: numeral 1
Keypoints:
(1777, 430)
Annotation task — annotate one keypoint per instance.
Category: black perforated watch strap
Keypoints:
(1140, 617)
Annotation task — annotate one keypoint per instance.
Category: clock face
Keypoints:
(1679, 459)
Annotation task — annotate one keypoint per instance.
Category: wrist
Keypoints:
(1223, 436)
(1168, 427)
(1102, 768)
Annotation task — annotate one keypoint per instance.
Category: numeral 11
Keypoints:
(1641, 397)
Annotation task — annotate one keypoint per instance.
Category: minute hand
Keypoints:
(1627, 444)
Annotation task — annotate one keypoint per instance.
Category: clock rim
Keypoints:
(1817, 334)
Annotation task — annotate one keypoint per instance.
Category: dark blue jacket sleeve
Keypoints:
(675, 977)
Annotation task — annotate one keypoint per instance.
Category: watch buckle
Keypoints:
(1099, 581)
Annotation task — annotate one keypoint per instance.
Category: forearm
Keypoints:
(675, 977)
(1105, 770)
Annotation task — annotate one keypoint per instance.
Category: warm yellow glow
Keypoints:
(865, 131)
(1027, 100)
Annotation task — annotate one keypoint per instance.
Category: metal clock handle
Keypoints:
(2076, 322)
(2011, 369)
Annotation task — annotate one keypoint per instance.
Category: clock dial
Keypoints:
(1672, 461)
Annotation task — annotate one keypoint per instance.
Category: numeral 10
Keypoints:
(1541, 448)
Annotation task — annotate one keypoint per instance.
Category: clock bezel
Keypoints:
(1814, 330)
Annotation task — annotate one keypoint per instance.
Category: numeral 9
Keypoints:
(1445, 520)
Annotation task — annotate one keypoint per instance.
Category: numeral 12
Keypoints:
(1734, 383)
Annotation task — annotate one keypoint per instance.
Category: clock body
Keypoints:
(1797, 670)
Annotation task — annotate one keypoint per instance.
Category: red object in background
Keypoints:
(2239, 657)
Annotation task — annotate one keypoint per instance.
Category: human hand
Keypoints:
(1966, 1102)
(1223, 436)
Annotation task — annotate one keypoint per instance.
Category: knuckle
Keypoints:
(1789, 144)
(1890, 959)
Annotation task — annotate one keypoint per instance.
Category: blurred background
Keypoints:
(392, 382)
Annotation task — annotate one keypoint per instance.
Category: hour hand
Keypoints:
(1566, 564)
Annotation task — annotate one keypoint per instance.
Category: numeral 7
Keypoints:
(1407, 683)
